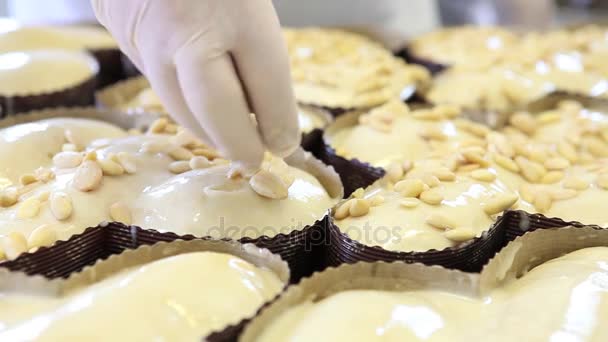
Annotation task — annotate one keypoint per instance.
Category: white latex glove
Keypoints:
(212, 63)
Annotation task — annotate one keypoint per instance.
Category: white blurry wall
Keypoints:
(399, 17)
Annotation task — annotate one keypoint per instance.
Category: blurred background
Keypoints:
(395, 19)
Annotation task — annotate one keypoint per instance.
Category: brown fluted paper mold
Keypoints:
(129, 68)
(111, 68)
(125, 121)
(74, 95)
(518, 223)
(82, 272)
(469, 256)
(409, 56)
(513, 261)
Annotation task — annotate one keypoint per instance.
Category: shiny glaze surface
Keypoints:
(179, 298)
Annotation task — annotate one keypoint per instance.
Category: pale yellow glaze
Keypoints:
(151, 196)
(56, 37)
(336, 68)
(464, 46)
(404, 140)
(205, 202)
(180, 298)
(396, 227)
(31, 72)
(511, 86)
(565, 299)
(25, 147)
(92, 208)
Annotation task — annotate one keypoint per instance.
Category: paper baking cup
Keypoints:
(468, 256)
(410, 57)
(110, 66)
(514, 260)
(79, 260)
(301, 249)
(77, 95)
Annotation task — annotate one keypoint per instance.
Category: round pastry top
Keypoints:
(510, 86)
(467, 46)
(431, 207)
(41, 140)
(32, 72)
(56, 37)
(211, 204)
(433, 315)
(165, 295)
(340, 69)
(393, 132)
(90, 172)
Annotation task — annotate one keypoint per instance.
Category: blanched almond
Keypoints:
(61, 205)
(342, 211)
(29, 208)
(409, 187)
(67, 160)
(180, 153)
(44, 235)
(267, 184)
(440, 221)
(359, 207)
(13, 245)
(499, 203)
(409, 203)
(178, 167)
(199, 162)
(460, 234)
(158, 126)
(111, 168)
(127, 161)
(575, 183)
(88, 176)
(432, 197)
(483, 175)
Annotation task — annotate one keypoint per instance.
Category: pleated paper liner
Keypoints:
(110, 66)
(301, 249)
(76, 95)
(468, 256)
(79, 260)
(409, 56)
(511, 262)
(518, 223)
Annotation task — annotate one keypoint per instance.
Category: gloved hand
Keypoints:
(212, 63)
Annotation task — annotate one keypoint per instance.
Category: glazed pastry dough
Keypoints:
(183, 297)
